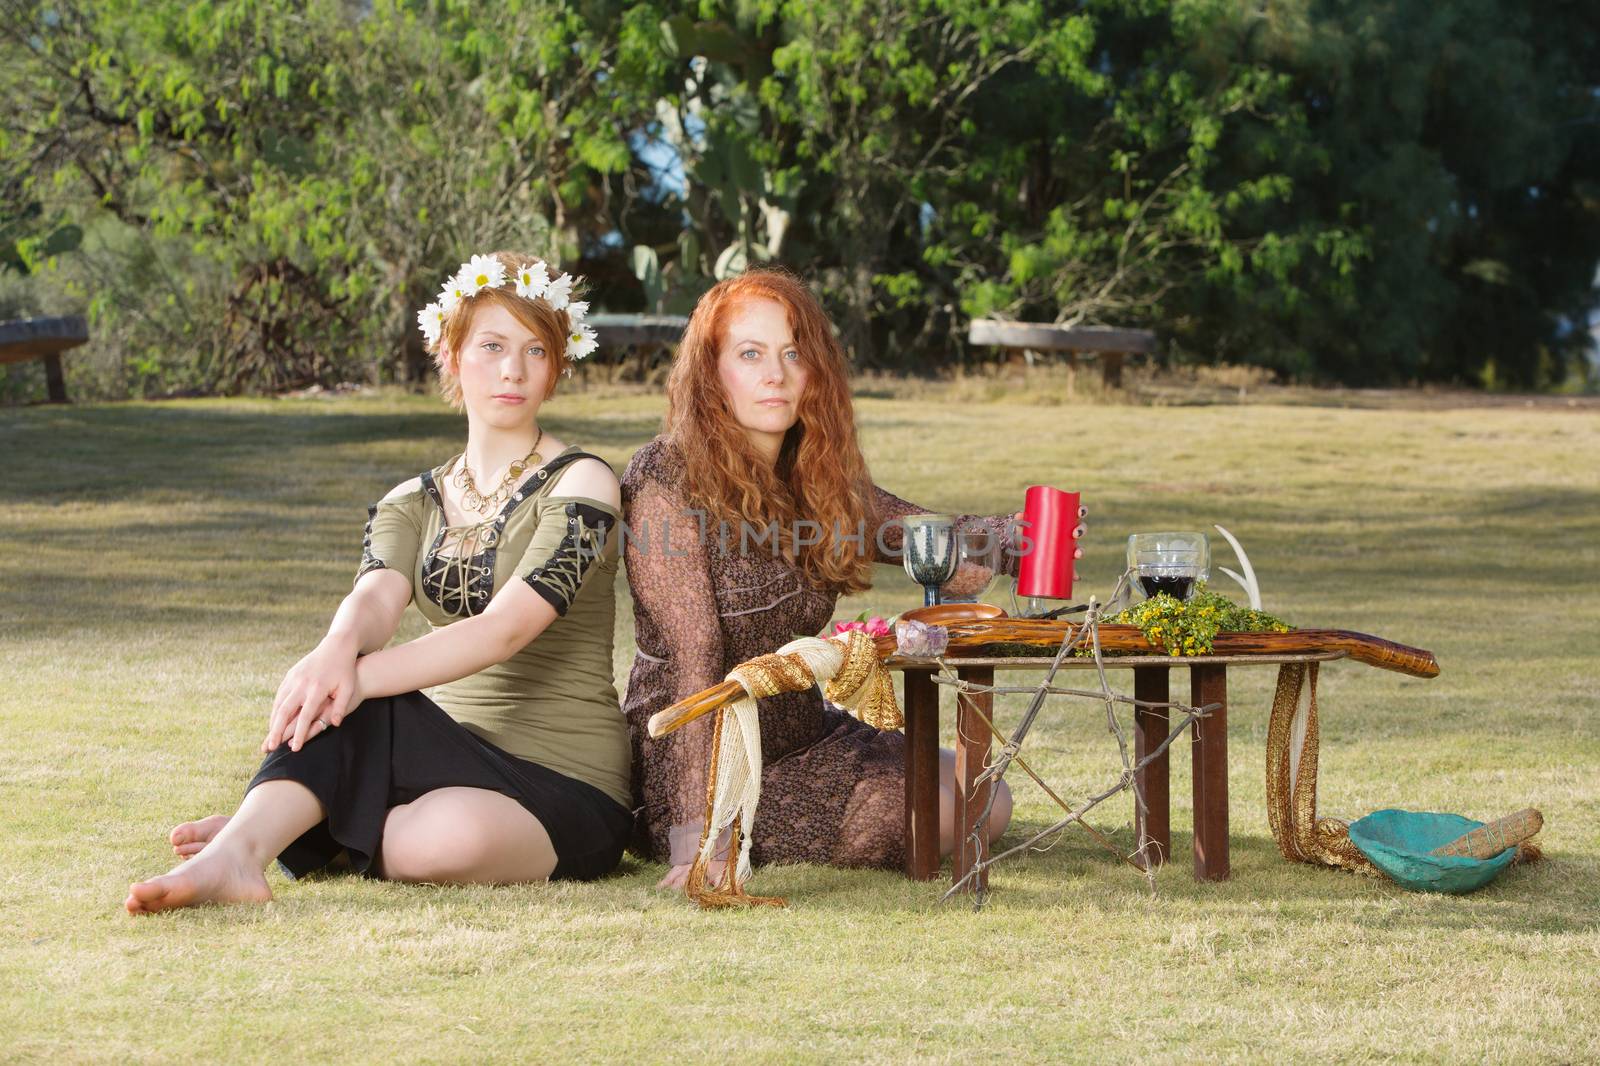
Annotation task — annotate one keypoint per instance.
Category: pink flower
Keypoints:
(876, 626)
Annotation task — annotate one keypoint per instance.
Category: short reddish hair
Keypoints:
(551, 327)
(820, 474)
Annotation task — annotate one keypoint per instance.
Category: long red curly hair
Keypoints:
(820, 475)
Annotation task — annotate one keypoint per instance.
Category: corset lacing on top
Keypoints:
(458, 571)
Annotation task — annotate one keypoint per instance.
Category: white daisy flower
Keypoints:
(532, 280)
(582, 342)
(431, 321)
(559, 291)
(482, 272)
(577, 311)
(454, 292)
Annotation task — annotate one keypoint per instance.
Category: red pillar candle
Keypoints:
(1050, 520)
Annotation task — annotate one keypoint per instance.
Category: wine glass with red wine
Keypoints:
(1168, 563)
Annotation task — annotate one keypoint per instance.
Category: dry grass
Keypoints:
(162, 565)
(1053, 383)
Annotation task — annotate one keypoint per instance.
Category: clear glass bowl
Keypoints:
(980, 556)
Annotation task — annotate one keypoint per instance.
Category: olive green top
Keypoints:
(554, 702)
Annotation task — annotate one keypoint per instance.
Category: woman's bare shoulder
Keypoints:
(592, 478)
(409, 487)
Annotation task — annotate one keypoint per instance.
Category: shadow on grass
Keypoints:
(1546, 896)
(163, 601)
(1549, 897)
(114, 452)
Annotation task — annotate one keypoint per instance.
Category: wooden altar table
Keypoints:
(1208, 684)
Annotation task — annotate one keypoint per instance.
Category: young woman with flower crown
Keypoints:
(760, 430)
(517, 768)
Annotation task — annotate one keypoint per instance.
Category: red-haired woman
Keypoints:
(760, 436)
(516, 769)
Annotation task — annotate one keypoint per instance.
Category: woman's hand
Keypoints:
(320, 688)
(1077, 534)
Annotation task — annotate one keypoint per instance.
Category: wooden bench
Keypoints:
(618, 331)
(644, 335)
(1110, 344)
(44, 338)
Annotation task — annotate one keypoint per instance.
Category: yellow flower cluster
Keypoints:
(1188, 627)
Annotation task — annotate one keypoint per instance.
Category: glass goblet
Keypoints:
(932, 552)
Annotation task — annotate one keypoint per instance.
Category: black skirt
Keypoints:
(390, 751)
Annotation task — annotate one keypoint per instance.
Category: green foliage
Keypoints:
(354, 156)
(1445, 216)
(1271, 184)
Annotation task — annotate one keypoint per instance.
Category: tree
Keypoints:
(928, 162)
(333, 162)
(260, 193)
(1448, 159)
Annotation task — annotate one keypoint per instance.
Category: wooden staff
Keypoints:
(1049, 633)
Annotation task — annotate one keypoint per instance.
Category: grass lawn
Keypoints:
(161, 565)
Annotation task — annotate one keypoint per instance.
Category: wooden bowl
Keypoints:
(949, 613)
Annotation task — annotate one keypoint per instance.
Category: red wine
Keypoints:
(1176, 587)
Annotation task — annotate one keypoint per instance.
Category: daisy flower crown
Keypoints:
(531, 281)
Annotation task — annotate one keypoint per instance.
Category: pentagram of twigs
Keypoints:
(1180, 717)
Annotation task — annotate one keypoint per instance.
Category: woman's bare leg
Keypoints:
(272, 815)
(464, 835)
(190, 838)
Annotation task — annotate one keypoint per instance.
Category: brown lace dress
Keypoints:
(833, 788)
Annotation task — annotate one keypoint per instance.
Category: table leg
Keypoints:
(921, 704)
(1111, 369)
(55, 382)
(972, 755)
(1152, 826)
(1209, 684)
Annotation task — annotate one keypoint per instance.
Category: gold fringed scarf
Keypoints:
(1292, 782)
(1292, 741)
(854, 679)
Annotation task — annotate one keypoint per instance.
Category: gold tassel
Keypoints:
(729, 892)
(1292, 808)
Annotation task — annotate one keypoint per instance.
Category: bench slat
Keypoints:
(1042, 337)
(615, 330)
(33, 338)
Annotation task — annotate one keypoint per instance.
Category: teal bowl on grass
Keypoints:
(1398, 843)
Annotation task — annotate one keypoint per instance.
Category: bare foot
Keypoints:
(678, 876)
(190, 838)
(219, 876)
